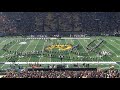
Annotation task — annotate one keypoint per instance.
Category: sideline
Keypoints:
(60, 62)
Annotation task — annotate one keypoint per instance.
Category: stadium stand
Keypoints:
(64, 74)
(48, 26)
(52, 22)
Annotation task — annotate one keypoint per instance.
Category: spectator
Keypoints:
(64, 74)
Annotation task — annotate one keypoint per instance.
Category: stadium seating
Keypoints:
(25, 27)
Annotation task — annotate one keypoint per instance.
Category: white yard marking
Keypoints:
(113, 46)
(2, 42)
(6, 52)
(28, 45)
(109, 56)
(75, 38)
(10, 48)
(102, 49)
(85, 49)
(62, 62)
(57, 38)
(42, 51)
(116, 43)
(113, 52)
(34, 50)
(18, 49)
(26, 48)
(68, 51)
(9, 58)
(110, 49)
(76, 49)
(59, 43)
(51, 50)
(23, 43)
(50, 54)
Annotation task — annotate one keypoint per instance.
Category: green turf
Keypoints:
(111, 44)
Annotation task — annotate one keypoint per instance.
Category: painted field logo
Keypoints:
(59, 47)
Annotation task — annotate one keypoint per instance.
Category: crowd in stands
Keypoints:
(64, 74)
(53, 72)
(84, 22)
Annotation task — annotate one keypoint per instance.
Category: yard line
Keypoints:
(110, 57)
(117, 44)
(2, 42)
(34, 49)
(114, 61)
(68, 51)
(72, 41)
(26, 47)
(9, 58)
(50, 54)
(85, 49)
(114, 46)
(96, 44)
(19, 48)
(42, 51)
(100, 57)
(21, 45)
(59, 43)
(6, 52)
(110, 49)
(117, 40)
(10, 48)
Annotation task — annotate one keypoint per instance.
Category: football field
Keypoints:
(29, 47)
(89, 49)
